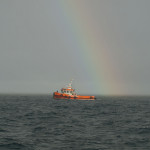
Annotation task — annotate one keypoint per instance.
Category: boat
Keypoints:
(69, 93)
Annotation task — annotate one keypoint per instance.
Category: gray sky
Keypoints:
(36, 55)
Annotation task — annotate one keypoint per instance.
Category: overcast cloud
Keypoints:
(35, 58)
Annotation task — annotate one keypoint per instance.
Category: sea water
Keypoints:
(38, 122)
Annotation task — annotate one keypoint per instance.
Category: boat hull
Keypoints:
(57, 95)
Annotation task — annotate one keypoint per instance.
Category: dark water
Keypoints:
(41, 123)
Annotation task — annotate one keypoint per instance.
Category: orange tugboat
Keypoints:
(69, 93)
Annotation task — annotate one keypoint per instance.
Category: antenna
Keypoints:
(70, 84)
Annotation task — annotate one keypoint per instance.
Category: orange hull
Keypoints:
(57, 95)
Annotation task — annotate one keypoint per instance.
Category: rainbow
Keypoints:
(90, 44)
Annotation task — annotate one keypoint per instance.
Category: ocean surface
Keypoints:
(37, 122)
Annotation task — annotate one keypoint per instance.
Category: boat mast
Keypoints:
(70, 84)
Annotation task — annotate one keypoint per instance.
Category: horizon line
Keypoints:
(19, 93)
